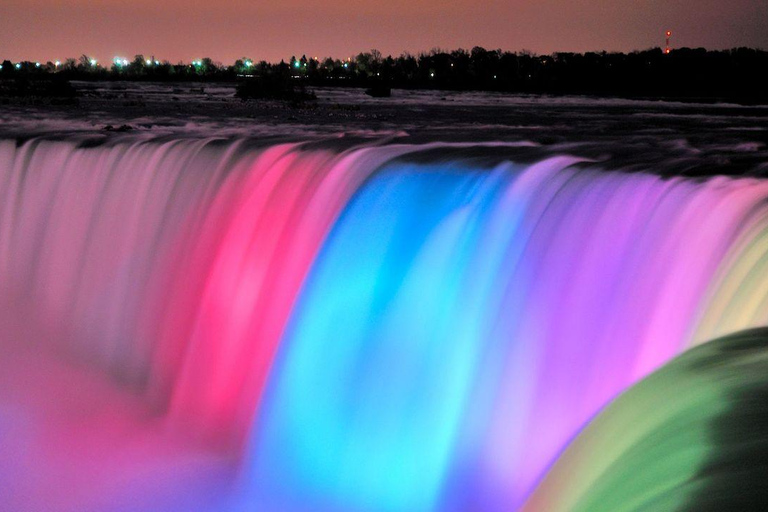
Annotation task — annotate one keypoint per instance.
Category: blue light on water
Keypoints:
(370, 391)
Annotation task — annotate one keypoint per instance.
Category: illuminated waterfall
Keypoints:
(204, 324)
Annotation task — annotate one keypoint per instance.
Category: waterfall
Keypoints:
(302, 327)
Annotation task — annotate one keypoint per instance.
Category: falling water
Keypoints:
(198, 324)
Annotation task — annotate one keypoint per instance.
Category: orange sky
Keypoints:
(225, 30)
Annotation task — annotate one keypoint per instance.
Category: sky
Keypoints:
(184, 30)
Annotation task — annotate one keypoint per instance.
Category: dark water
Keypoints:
(655, 136)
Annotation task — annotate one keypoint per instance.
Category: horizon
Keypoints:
(34, 31)
(108, 62)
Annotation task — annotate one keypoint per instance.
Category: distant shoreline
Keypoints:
(684, 75)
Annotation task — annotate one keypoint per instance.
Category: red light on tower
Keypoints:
(668, 49)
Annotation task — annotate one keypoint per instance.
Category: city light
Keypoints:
(148, 62)
(18, 65)
(37, 64)
(248, 63)
(57, 63)
(94, 62)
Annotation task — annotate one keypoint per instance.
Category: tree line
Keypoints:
(740, 73)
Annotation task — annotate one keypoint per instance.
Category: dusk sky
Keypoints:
(225, 30)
